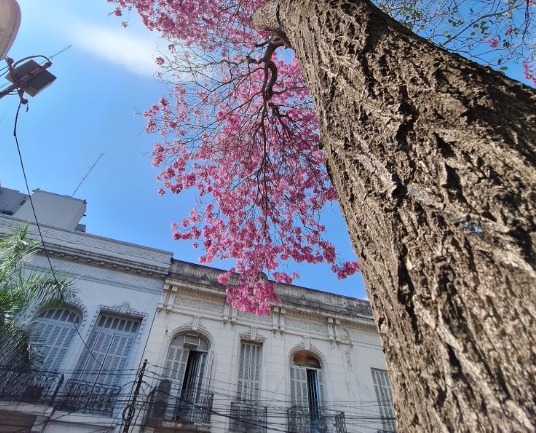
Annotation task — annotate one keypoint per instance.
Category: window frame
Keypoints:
(384, 398)
(249, 376)
(53, 332)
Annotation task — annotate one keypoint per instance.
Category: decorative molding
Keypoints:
(121, 310)
(226, 311)
(198, 304)
(303, 345)
(252, 335)
(250, 317)
(196, 320)
(323, 301)
(345, 335)
(309, 326)
(180, 269)
(349, 364)
(188, 289)
(296, 324)
(187, 327)
(336, 333)
(72, 301)
(94, 272)
(73, 245)
(278, 319)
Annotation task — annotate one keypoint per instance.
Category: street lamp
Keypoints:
(29, 77)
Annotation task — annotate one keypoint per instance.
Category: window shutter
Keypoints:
(298, 385)
(55, 332)
(249, 371)
(208, 369)
(110, 344)
(384, 397)
(175, 369)
(320, 389)
(176, 363)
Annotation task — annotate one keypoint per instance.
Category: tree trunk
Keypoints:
(433, 158)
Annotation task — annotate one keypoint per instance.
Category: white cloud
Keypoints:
(118, 46)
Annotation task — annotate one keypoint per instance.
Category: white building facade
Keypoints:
(315, 365)
(91, 345)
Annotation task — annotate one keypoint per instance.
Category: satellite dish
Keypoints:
(9, 25)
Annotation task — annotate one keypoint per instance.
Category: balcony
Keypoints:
(300, 420)
(247, 418)
(168, 407)
(88, 397)
(33, 386)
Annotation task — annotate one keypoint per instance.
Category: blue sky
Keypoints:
(103, 82)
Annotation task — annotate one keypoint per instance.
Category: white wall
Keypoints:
(346, 363)
(109, 277)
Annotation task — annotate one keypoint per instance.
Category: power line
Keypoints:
(38, 225)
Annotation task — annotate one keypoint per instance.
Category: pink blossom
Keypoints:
(492, 42)
(530, 72)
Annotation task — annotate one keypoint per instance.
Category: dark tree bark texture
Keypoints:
(434, 161)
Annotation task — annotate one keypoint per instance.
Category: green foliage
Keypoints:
(22, 290)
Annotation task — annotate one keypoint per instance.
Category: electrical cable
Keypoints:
(38, 225)
(356, 418)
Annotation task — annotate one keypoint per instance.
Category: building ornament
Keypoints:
(252, 335)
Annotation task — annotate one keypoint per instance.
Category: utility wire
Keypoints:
(62, 298)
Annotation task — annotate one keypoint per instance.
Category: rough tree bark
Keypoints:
(433, 158)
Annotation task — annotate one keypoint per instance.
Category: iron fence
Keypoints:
(248, 418)
(90, 397)
(32, 386)
(300, 420)
(170, 404)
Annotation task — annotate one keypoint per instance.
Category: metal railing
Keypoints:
(300, 420)
(168, 403)
(89, 397)
(33, 386)
(248, 418)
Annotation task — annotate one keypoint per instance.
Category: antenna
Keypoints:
(87, 174)
(60, 51)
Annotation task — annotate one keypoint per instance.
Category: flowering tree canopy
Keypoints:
(240, 127)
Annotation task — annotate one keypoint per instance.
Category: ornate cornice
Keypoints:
(104, 261)
(96, 250)
(202, 281)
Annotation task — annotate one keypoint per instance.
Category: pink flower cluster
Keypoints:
(530, 72)
(259, 173)
(205, 23)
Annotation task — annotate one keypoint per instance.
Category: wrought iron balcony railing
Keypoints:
(87, 396)
(33, 386)
(301, 420)
(248, 418)
(169, 403)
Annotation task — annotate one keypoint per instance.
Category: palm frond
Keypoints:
(21, 291)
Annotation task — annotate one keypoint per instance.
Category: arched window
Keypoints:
(187, 368)
(306, 386)
(53, 335)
